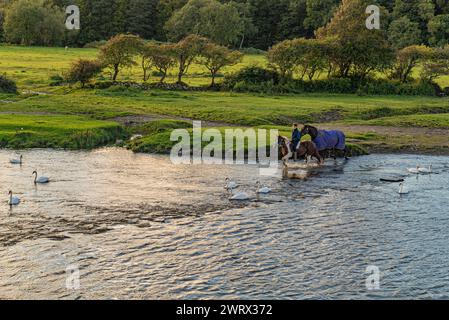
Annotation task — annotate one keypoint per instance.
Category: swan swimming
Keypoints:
(414, 170)
(16, 161)
(230, 185)
(40, 179)
(401, 189)
(241, 196)
(263, 190)
(13, 201)
(426, 170)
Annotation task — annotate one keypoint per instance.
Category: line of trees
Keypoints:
(236, 23)
(345, 48)
(125, 50)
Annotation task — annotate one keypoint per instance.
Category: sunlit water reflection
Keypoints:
(139, 227)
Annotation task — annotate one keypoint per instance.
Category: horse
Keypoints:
(327, 141)
(305, 149)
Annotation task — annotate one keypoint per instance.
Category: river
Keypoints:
(135, 226)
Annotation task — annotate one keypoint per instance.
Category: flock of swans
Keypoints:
(243, 196)
(420, 170)
(13, 200)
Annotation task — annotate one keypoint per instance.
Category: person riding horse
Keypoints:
(296, 137)
(305, 149)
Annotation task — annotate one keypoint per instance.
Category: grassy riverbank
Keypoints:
(43, 115)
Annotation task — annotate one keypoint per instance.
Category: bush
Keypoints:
(253, 51)
(247, 83)
(252, 75)
(56, 80)
(83, 71)
(95, 44)
(386, 87)
(7, 86)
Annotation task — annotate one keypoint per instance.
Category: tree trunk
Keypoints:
(116, 70)
(164, 74)
(213, 79)
(241, 42)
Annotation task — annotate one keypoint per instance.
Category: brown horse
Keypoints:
(328, 143)
(305, 149)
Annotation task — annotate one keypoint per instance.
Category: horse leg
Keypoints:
(347, 153)
(319, 158)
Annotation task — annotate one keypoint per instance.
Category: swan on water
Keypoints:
(240, 196)
(230, 185)
(426, 170)
(16, 161)
(263, 190)
(13, 201)
(401, 189)
(414, 170)
(40, 179)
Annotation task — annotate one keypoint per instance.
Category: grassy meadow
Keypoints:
(43, 115)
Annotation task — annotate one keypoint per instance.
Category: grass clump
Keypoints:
(68, 132)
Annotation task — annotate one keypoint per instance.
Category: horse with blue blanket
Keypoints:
(327, 141)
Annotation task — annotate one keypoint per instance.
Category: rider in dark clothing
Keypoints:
(296, 137)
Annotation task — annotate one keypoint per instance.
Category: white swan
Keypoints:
(16, 161)
(426, 170)
(263, 190)
(230, 185)
(414, 170)
(241, 196)
(401, 189)
(40, 179)
(13, 201)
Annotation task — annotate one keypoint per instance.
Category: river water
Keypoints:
(136, 226)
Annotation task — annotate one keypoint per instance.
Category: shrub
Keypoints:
(252, 75)
(56, 80)
(7, 86)
(95, 44)
(253, 51)
(83, 71)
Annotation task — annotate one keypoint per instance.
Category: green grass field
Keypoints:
(71, 112)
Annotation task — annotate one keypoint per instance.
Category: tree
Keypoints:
(419, 11)
(266, 17)
(407, 59)
(437, 65)
(403, 33)
(119, 52)
(141, 18)
(292, 23)
(214, 57)
(159, 56)
(439, 30)
(163, 60)
(315, 58)
(101, 19)
(83, 71)
(186, 51)
(284, 58)
(319, 13)
(34, 22)
(221, 23)
(357, 51)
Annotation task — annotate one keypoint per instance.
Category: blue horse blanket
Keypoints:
(333, 139)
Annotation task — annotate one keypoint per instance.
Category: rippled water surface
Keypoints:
(138, 227)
